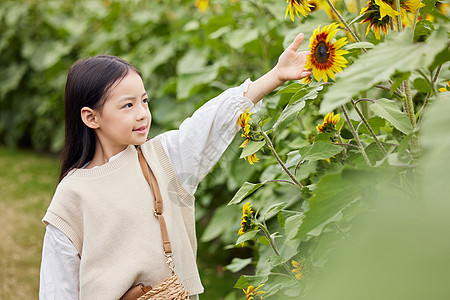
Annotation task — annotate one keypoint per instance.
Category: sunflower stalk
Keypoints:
(358, 141)
(353, 34)
(416, 16)
(435, 77)
(277, 157)
(377, 141)
(272, 244)
(399, 16)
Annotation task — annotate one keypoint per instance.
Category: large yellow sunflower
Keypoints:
(299, 6)
(326, 58)
(373, 17)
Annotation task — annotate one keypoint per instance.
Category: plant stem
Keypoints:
(408, 103)
(272, 245)
(278, 180)
(429, 82)
(410, 112)
(369, 128)
(396, 92)
(435, 77)
(356, 136)
(275, 154)
(353, 34)
(399, 16)
(413, 26)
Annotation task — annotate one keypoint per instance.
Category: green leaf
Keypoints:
(238, 264)
(289, 113)
(293, 158)
(421, 85)
(423, 28)
(292, 225)
(186, 82)
(375, 123)
(238, 38)
(359, 45)
(323, 137)
(291, 89)
(274, 209)
(296, 104)
(319, 150)
(263, 240)
(334, 192)
(251, 148)
(388, 110)
(276, 260)
(245, 280)
(246, 189)
(247, 236)
(380, 63)
(399, 80)
(223, 219)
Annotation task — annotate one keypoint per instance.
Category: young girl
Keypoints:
(101, 236)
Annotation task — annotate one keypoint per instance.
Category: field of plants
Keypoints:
(338, 188)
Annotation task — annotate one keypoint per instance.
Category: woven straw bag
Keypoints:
(170, 288)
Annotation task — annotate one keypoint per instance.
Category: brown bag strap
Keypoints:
(158, 210)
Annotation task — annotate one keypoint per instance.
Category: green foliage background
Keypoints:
(187, 57)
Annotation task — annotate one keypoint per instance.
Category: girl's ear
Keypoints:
(89, 117)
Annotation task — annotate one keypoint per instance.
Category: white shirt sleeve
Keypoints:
(201, 140)
(59, 267)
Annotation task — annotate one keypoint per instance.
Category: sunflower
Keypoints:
(299, 6)
(246, 220)
(329, 123)
(298, 270)
(444, 89)
(252, 159)
(202, 5)
(317, 5)
(243, 121)
(251, 291)
(386, 9)
(373, 17)
(325, 58)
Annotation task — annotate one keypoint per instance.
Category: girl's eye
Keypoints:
(128, 105)
(145, 100)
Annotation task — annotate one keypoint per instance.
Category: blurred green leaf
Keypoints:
(319, 150)
(388, 110)
(380, 63)
(246, 189)
(247, 236)
(252, 147)
(238, 264)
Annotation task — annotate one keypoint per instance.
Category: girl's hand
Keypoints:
(291, 63)
(290, 66)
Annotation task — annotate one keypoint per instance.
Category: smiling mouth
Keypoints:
(140, 129)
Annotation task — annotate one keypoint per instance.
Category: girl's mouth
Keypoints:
(141, 130)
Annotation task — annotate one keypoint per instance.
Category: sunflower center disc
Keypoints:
(321, 54)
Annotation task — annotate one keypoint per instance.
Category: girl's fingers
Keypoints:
(297, 42)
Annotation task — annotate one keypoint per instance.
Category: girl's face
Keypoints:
(125, 117)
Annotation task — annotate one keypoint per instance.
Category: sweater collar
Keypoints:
(108, 167)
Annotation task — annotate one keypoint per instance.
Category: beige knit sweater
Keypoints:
(107, 213)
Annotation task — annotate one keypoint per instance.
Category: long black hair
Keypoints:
(88, 83)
